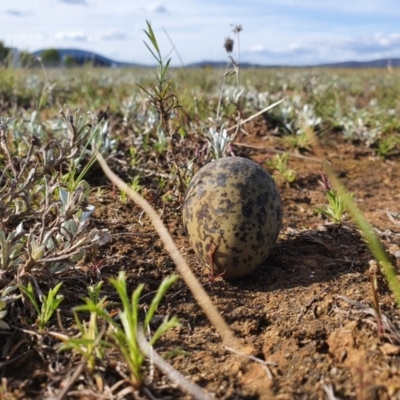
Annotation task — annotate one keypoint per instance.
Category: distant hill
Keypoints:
(223, 64)
(383, 63)
(82, 56)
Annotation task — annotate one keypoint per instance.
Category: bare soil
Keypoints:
(307, 312)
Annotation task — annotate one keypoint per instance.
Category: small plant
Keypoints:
(217, 134)
(123, 335)
(297, 141)
(53, 207)
(135, 185)
(90, 134)
(160, 94)
(280, 162)
(11, 247)
(6, 298)
(360, 126)
(165, 102)
(220, 141)
(3, 313)
(386, 145)
(49, 304)
(90, 343)
(335, 210)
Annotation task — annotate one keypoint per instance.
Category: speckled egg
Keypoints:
(232, 214)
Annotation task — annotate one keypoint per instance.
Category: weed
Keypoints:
(299, 141)
(90, 134)
(280, 162)
(335, 210)
(90, 343)
(5, 298)
(386, 145)
(135, 185)
(42, 220)
(373, 242)
(49, 303)
(217, 135)
(165, 102)
(123, 335)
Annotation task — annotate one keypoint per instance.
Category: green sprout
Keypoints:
(165, 102)
(123, 334)
(90, 343)
(5, 298)
(386, 145)
(49, 304)
(280, 162)
(336, 208)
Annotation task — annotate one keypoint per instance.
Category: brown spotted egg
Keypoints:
(232, 214)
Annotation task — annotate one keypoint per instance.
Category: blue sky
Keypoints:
(274, 31)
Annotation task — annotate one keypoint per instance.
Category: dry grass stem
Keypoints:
(271, 150)
(194, 285)
(255, 115)
(71, 380)
(196, 391)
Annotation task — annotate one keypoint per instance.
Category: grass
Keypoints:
(156, 130)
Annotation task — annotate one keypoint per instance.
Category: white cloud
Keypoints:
(72, 36)
(114, 35)
(157, 8)
(285, 55)
(274, 31)
(258, 48)
(342, 6)
(17, 13)
(373, 44)
(80, 2)
(93, 37)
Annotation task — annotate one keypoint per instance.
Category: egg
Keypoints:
(232, 214)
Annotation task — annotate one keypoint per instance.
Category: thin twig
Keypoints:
(64, 391)
(391, 217)
(4, 364)
(256, 115)
(198, 292)
(307, 306)
(271, 150)
(328, 389)
(196, 391)
(390, 330)
(264, 363)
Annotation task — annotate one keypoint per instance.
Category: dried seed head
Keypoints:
(236, 29)
(228, 45)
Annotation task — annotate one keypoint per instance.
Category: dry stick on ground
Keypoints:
(308, 305)
(196, 391)
(328, 389)
(195, 287)
(263, 363)
(256, 115)
(71, 380)
(390, 330)
(271, 150)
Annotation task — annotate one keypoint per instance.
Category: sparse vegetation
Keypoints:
(280, 163)
(49, 304)
(79, 263)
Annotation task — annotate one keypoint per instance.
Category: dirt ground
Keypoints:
(307, 312)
